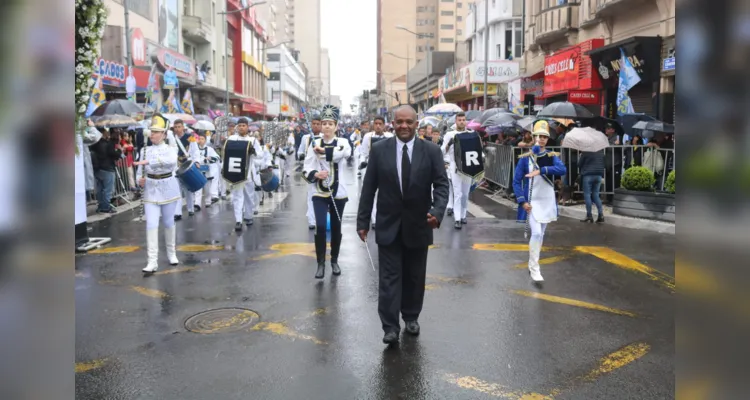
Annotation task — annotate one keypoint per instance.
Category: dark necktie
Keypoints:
(405, 169)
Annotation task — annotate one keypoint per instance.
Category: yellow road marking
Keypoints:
(114, 250)
(287, 249)
(89, 365)
(492, 389)
(618, 359)
(199, 247)
(175, 270)
(545, 261)
(508, 247)
(628, 263)
(431, 286)
(316, 313)
(447, 279)
(280, 328)
(157, 294)
(572, 302)
(434, 246)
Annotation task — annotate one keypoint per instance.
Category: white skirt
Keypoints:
(162, 191)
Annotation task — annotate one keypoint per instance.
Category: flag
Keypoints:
(171, 106)
(151, 86)
(97, 97)
(187, 103)
(628, 78)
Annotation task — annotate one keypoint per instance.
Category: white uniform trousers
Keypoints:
(189, 199)
(461, 187)
(243, 201)
(165, 211)
(535, 242)
(310, 210)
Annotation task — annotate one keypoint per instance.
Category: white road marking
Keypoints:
(477, 211)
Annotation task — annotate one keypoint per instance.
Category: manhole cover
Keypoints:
(222, 320)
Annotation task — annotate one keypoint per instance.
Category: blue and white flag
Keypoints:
(628, 78)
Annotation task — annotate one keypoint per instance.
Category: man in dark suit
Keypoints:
(408, 174)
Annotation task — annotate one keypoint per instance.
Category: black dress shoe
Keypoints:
(321, 272)
(214, 200)
(390, 338)
(311, 227)
(412, 328)
(373, 226)
(457, 225)
(249, 222)
(335, 268)
(255, 212)
(600, 219)
(449, 211)
(190, 214)
(177, 217)
(590, 220)
(464, 221)
(238, 227)
(197, 207)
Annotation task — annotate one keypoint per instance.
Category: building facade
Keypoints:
(600, 29)
(286, 84)
(305, 25)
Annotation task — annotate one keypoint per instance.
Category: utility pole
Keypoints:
(486, 46)
(226, 58)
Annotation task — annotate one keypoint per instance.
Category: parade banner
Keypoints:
(187, 103)
(468, 153)
(234, 166)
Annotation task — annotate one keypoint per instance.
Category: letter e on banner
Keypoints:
(235, 164)
(472, 158)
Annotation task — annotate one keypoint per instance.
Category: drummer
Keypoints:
(187, 151)
(208, 158)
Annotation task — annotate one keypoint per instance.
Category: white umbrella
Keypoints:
(204, 126)
(585, 139)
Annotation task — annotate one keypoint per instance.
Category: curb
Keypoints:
(97, 217)
(611, 219)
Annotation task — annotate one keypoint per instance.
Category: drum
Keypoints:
(205, 168)
(269, 180)
(191, 177)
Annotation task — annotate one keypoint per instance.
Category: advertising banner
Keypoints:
(169, 35)
(561, 71)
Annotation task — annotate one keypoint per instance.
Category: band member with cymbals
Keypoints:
(324, 163)
(161, 192)
(533, 185)
(243, 194)
(408, 174)
(305, 144)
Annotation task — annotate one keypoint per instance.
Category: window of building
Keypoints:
(446, 26)
(518, 40)
(446, 1)
(459, 32)
(213, 62)
(446, 13)
(499, 50)
(459, 18)
(508, 48)
(273, 57)
(446, 40)
(459, 5)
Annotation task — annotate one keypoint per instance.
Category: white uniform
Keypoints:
(160, 199)
(364, 154)
(262, 162)
(192, 154)
(461, 185)
(209, 157)
(243, 194)
(304, 145)
(316, 162)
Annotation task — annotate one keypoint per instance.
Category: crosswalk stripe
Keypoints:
(477, 211)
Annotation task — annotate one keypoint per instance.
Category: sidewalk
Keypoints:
(579, 212)
(93, 216)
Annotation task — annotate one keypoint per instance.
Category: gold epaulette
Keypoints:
(553, 153)
(525, 155)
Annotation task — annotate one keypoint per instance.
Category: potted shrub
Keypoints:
(637, 197)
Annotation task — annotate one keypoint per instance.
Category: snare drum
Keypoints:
(269, 180)
(191, 176)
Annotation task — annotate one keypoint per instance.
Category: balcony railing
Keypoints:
(197, 29)
(555, 23)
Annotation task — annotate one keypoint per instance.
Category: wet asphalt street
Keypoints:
(601, 327)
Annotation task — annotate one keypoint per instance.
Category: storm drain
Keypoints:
(222, 320)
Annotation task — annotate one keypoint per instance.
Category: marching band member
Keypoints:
(208, 157)
(533, 185)
(461, 185)
(243, 194)
(266, 161)
(161, 194)
(324, 161)
(187, 150)
(364, 128)
(367, 142)
(305, 144)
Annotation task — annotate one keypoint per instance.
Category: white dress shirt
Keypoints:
(399, 152)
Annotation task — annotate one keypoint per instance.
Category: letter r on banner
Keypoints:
(235, 164)
(472, 157)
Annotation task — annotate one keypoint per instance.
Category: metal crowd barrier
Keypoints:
(501, 160)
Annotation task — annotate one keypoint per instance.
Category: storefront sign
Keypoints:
(561, 70)
(111, 71)
(254, 107)
(183, 66)
(138, 47)
(584, 96)
(669, 64)
(497, 72)
(533, 85)
(643, 52)
(478, 88)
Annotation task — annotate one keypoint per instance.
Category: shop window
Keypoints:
(273, 57)
(275, 76)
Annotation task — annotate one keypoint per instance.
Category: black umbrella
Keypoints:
(601, 123)
(488, 113)
(471, 114)
(565, 109)
(113, 121)
(119, 107)
(656, 126)
(501, 119)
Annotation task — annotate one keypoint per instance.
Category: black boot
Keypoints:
(335, 247)
(320, 255)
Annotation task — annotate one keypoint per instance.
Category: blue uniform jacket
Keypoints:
(550, 165)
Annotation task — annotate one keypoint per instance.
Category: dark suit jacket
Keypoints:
(407, 213)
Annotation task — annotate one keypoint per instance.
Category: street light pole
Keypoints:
(486, 47)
